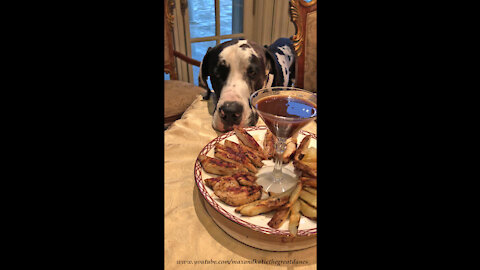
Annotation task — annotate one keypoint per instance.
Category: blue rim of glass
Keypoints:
(283, 88)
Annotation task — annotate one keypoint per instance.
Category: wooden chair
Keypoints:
(178, 94)
(304, 17)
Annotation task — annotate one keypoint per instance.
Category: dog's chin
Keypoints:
(220, 126)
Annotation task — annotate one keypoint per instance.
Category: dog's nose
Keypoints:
(231, 113)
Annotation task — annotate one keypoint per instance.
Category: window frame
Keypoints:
(184, 42)
(247, 4)
(271, 15)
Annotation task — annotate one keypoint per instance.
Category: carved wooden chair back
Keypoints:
(304, 17)
(170, 53)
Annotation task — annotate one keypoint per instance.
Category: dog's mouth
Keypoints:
(222, 123)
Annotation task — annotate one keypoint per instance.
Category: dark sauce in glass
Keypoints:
(298, 111)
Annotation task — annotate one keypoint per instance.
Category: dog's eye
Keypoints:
(216, 73)
(220, 71)
(251, 72)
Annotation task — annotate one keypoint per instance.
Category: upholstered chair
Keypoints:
(179, 95)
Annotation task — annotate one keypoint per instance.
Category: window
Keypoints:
(200, 24)
(208, 31)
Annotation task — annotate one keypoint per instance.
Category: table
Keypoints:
(192, 239)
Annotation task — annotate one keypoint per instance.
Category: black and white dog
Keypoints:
(237, 68)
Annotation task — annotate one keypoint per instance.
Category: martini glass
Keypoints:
(285, 110)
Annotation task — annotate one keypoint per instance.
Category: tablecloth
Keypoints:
(192, 239)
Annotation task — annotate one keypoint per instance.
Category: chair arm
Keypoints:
(186, 59)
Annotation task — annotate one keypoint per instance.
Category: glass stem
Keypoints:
(280, 147)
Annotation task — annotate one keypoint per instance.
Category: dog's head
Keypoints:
(236, 68)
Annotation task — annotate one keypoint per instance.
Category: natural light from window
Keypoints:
(204, 31)
(202, 25)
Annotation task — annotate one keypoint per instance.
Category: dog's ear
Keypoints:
(203, 74)
(272, 67)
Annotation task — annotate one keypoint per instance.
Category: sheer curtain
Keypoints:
(274, 20)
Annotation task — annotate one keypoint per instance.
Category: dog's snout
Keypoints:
(231, 112)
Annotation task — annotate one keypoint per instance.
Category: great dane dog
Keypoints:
(239, 67)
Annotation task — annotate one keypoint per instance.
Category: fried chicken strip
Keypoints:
(302, 148)
(236, 195)
(230, 189)
(290, 150)
(219, 167)
(249, 141)
(279, 218)
(228, 154)
(307, 210)
(262, 207)
(265, 205)
(307, 170)
(245, 179)
(308, 181)
(269, 144)
(294, 218)
(254, 158)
